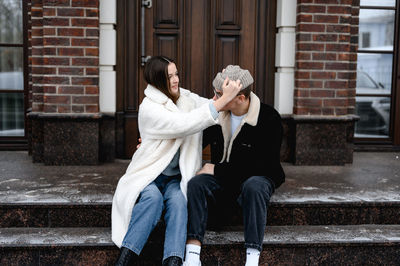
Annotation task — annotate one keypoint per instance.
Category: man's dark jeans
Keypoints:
(205, 192)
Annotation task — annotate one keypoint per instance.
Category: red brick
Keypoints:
(37, 32)
(335, 102)
(338, 28)
(341, 111)
(70, 12)
(339, 9)
(49, 89)
(92, 32)
(322, 93)
(325, 37)
(302, 75)
(324, 56)
(345, 19)
(347, 75)
(92, 90)
(69, 32)
(49, 12)
(309, 65)
(327, 1)
(344, 38)
(310, 47)
(36, 12)
(38, 89)
(310, 28)
(85, 81)
(304, 18)
(92, 108)
(55, 80)
(337, 47)
(70, 71)
(92, 12)
(84, 22)
(63, 109)
(326, 19)
(85, 3)
(78, 108)
(49, 108)
(55, 21)
(43, 70)
(85, 61)
(56, 41)
(92, 51)
(57, 99)
(55, 2)
(301, 93)
(37, 107)
(85, 99)
(70, 90)
(308, 102)
(336, 66)
(328, 111)
(60, 61)
(85, 42)
(37, 42)
(305, 1)
(70, 51)
(49, 31)
(346, 93)
(37, 22)
(323, 75)
(92, 71)
(303, 56)
(308, 84)
(336, 84)
(311, 9)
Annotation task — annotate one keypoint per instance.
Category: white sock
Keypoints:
(192, 256)
(252, 257)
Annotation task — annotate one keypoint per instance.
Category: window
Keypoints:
(376, 71)
(12, 65)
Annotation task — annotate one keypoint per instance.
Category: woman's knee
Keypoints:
(151, 194)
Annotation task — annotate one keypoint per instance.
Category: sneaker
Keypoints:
(185, 263)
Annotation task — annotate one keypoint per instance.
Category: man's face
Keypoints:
(228, 107)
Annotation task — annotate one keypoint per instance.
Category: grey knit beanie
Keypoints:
(233, 73)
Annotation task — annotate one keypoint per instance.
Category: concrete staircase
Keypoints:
(321, 216)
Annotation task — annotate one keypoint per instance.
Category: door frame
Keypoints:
(128, 66)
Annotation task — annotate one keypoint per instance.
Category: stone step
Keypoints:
(283, 245)
(279, 213)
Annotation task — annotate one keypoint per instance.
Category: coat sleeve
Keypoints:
(199, 99)
(156, 122)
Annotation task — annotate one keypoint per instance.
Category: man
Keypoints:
(245, 167)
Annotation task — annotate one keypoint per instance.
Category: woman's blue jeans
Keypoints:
(164, 193)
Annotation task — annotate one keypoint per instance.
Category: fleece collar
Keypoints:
(251, 118)
(157, 96)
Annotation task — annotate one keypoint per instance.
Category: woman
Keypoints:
(170, 122)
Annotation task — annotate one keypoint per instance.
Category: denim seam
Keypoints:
(177, 254)
(251, 245)
(126, 245)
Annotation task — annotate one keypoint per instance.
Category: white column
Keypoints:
(108, 55)
(285, 55)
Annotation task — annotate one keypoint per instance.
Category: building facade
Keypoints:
(71, 71)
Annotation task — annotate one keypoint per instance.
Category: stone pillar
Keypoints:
(64, 66)
(325, 81)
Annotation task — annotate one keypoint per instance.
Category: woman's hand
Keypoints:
(230, 89)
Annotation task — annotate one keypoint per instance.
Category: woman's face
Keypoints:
(173, 79)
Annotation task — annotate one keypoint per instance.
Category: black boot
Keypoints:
(172, 261)
(126, 258)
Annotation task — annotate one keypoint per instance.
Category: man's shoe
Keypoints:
(172, 261)
(126, 258)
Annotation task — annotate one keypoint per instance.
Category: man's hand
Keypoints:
(208, 168)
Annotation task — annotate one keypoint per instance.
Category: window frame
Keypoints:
(393, 140)
(20, 142)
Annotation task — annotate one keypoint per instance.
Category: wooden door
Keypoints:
(202, 36)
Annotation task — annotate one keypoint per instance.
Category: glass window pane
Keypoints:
(11, 68)
(11, 114)
(374, 73)
(378, 3)
(376, 29)
(11, 21)
(374, 113)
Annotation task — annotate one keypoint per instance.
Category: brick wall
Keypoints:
(326, 58)
(64, 56)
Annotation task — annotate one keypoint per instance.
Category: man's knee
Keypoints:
(257, 186)
(197, 183)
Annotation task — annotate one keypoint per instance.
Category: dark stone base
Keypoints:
(72, 139)
(312, 140)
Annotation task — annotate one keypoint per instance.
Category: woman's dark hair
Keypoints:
(156, 74)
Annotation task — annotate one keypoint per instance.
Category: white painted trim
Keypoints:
(107, 56)
(285, 55)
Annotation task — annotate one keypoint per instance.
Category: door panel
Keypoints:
(203, 37)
